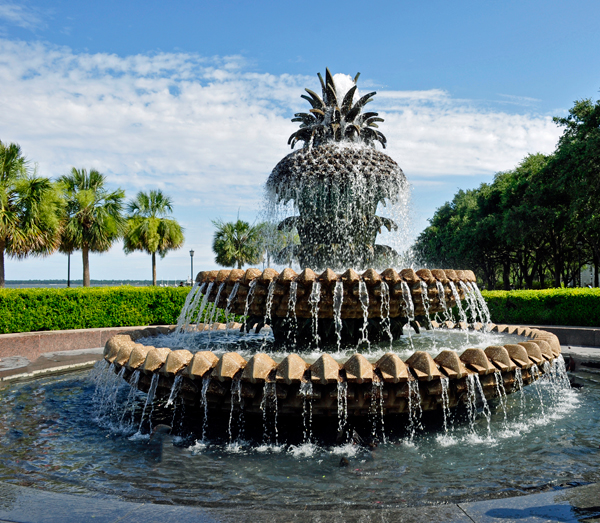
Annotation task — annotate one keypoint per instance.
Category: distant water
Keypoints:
(59, 284)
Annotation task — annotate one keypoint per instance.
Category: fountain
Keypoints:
(341, 389)
(336, 181)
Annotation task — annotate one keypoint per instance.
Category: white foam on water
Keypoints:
(198, 447)
(305, 450)
(348, 450)
(235, 447)
(270, 447)
(138, 436)
(446, 440)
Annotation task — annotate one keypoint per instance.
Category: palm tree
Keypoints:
(94, 217)
(149, 228)
(30, 209)
(236, 243)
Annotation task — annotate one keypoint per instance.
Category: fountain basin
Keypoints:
(220, 382)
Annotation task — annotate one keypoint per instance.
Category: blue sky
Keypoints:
(196, 98)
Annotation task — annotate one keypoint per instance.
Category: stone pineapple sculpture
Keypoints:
(336, 181)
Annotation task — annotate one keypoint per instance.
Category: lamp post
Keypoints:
(192, 266)
(579, 246)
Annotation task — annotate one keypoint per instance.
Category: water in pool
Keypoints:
(52, 437)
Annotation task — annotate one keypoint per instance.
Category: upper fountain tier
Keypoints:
(373, 304)
(337, 180)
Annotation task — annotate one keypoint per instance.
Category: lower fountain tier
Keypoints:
(292, 381)
(269, 294)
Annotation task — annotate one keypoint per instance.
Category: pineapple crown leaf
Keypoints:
(327, 122)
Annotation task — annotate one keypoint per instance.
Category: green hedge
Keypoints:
(23, 310)
(577, 307)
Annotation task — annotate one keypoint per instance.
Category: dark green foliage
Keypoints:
(333, 120)
(576, 307)
(23, 310)
(535, 224)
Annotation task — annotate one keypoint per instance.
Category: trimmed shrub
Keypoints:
(576, 307)
(23, 310)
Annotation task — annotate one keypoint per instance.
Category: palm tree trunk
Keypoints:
(2, 245)
(154, 269)
(86, 266)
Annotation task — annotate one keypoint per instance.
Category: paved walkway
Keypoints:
(28, 505)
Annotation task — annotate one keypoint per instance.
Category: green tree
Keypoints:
(236, 243)
(462, 235)
(150, 228)
(30, 208)
(94, 219)
(575, 172)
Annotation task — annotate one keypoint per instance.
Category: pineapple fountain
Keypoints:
(335, 183)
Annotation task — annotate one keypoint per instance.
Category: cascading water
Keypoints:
(268, 406)
(315, 298)
(535, 372)
(446, 403)
(501, 392)
(385, 312)
(487, 318)
(519, 386)
(269, 303)
(306, 391)
(410, 309)
(342, 408)
(191, 310)
(442, 298)
(475, 397)
(175, 389)
(268, 306)
(204, 390)
(338, 300)
(130, 403)
(203, 303)
(376, 411)
(363, 295)
(214, 310)
(196, 288)
(472, 306)
(291, 312)
(230, 299)
(415, 411)
(149, 403)
(425, 298)
(236, 399)
(461, 313)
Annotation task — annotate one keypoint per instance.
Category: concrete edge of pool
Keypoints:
(28, 505)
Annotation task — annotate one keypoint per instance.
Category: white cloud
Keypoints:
(208, 131)
(20, 15)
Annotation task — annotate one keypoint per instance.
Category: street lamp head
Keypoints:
(579, 244)
(192, 253)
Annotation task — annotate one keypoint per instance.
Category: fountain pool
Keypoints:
(48, 439)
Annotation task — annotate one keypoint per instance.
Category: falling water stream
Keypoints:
(338, 300)
(314, 299)
(385, 311)
(363, 295)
